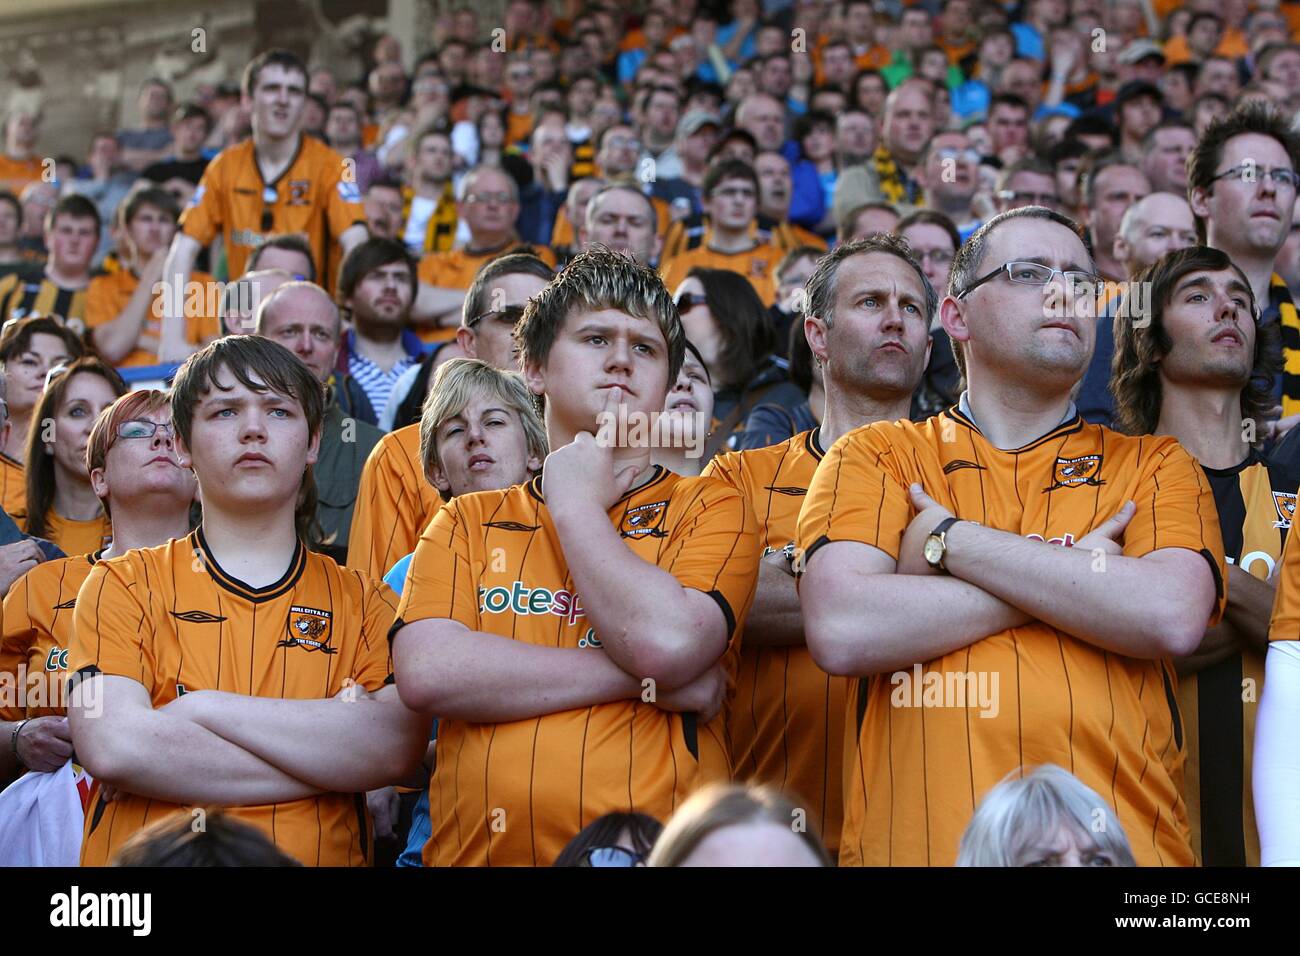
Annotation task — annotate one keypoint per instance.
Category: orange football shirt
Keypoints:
(310, 197)
(515, 793)
(918, 772)
(394, 503)
(108, 295)
(172, 619)
(785, 720)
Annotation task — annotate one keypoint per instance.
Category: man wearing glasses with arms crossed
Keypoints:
(1008, 541)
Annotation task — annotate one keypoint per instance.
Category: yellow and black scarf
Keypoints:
(895, 185)
(440, 234)
(1280, 297)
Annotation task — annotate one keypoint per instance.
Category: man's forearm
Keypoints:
(639, 611)
(116, 339)
(437, 306)
(1137, 607)
(860, 624)
(1250, 606)
(337, 744)
(443, 667)
(177, 269)
(168, 757)
(775, 618)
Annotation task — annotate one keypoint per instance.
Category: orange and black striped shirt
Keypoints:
(1256, 501)
(492, 561)
(36, 633)
(22, 298)
(311, 197)
(394, 503)
(757, 264)
(785, 720)
(918, 772)
(172, 619)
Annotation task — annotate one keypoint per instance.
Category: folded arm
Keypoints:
(343, 744)
(1153, 606)
(861, 618)
(650, 624)
(775, 618)
(443, 667)
(122, 740)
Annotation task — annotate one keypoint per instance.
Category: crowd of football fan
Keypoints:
(789, 192)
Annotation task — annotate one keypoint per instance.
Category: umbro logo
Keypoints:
(66, 605)
(197, 617)
(510, 526)
(790, 490)
(957, 464)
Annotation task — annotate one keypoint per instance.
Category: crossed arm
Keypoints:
(214, 747)
(1244, 625)
(864, 617)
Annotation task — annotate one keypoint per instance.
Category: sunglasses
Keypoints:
(689, 300)
(511, 314)
(611, 856)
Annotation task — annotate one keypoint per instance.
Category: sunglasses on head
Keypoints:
(689, 300)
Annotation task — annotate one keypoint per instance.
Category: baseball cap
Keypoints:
(1140, 50)
(695, 120)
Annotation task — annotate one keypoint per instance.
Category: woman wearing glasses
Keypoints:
(727, 322)
(61, 504)
(131, 468)
(29, 348)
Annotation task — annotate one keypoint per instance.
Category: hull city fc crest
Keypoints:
(644, 520)
(1285, 505)
(309, 628)
(1070, 472)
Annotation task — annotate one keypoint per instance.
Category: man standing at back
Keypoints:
(868, 326)
(1025, 576)
(277, 181)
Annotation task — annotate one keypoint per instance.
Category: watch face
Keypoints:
(933, 550)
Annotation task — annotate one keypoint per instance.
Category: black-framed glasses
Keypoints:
(1035, 273)
(689, 300)
(143, 428)
(511, 313)
(1280, 176)
(611, 856)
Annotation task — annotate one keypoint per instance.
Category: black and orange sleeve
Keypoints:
(1175, 509)
(202, 218)
(112, 629)
(714, 548)
(1285, 623)
(378, 610)
(386, 522)
(17, 635)
(855, 496)
(442, 580)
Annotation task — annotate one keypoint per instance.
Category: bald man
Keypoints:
(302, 317)
(1154, 225)
(242, 297)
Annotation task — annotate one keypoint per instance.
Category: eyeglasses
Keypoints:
(735, 192)
(1035, 273)
(482, 199)
(511, 313)
(1034, 199)
(624, 142)
(689, 300)
(969, 155)
(611, 856)
(1250, 173)
(940, 257)
(143, 428)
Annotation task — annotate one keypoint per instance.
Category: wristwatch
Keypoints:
(936, 544)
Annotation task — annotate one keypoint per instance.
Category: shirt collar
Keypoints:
(963, 406)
